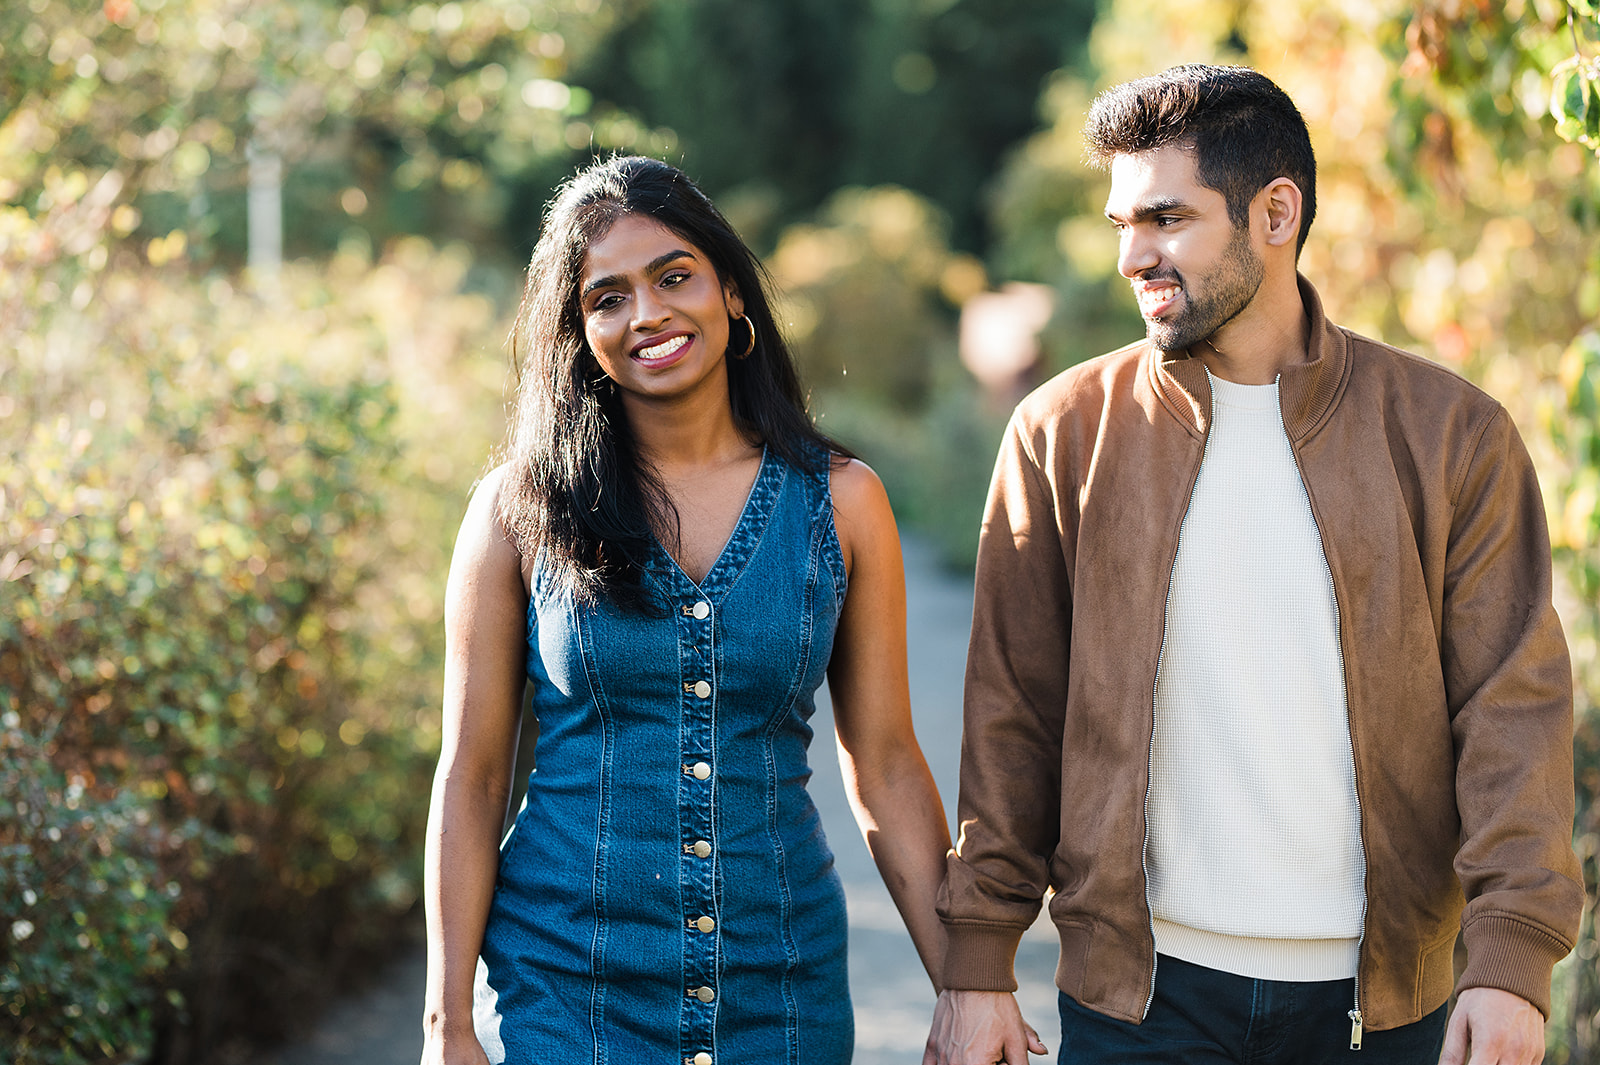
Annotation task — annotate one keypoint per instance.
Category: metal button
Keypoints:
(704, 994)
(701, 849)
(700, 770)
(702, 688)
(705, 924)
(702, 610)
(701, 1058)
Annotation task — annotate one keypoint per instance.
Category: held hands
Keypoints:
(980, 1028)
(1499, 1028)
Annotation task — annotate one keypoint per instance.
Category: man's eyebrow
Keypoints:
(1169, 205)
(651, 267)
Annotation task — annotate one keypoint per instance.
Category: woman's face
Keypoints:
(655, 313)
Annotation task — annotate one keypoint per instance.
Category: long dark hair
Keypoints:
(578, 490)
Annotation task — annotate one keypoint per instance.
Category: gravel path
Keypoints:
(893, 1000)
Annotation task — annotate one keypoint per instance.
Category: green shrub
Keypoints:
(935, 463)
(224, 528)
(83, 884)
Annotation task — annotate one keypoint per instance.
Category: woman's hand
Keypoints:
(461, 1049)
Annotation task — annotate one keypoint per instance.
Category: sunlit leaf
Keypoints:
(1569, 99)
(1591, 123)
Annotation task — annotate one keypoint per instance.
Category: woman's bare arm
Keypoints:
(886, 778)
(485, 666)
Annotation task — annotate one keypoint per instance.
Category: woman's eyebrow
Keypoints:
(651, 267)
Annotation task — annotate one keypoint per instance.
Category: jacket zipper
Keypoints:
(1356, 1024)
(1150, 754)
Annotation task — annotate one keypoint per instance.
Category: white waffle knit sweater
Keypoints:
(1254, 850)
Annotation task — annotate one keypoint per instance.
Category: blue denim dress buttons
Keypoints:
(666, 893)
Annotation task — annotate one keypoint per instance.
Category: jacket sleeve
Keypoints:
(1016, 683)
(1509, 683)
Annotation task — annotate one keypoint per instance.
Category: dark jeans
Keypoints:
(1201, 1015)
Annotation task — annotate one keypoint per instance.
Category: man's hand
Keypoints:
(1498, 1027)
(980, 1028)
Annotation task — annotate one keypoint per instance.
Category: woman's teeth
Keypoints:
(661, 350)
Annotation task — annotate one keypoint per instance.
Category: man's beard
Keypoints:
(1227, 290)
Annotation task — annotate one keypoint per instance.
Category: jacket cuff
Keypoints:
(981, 957)
(1512, 955)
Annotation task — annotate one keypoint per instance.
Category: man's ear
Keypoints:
(1281, 202)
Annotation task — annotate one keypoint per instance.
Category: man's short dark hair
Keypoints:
(1244, 130)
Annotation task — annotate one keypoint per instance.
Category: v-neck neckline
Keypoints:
(730, 560)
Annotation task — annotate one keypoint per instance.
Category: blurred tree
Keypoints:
(868, 291)
(395, 118)
(1458, 204)
(780, 104)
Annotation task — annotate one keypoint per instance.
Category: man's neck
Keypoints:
(1253, 348)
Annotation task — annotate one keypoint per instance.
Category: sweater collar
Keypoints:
(1307, 390)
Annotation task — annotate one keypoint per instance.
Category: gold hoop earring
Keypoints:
(750, 347)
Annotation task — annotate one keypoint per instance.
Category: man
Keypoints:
(1265, 684)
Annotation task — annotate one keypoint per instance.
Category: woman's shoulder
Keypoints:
(491, 522)
(487, 499)
(862, 516)
(853, 482)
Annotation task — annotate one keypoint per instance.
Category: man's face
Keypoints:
(1192, 271)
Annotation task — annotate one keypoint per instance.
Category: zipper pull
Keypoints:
(1355, 1029)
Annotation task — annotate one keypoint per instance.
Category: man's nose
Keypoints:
(1136, 253)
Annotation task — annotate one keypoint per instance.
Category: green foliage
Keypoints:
(782, 104)
(395, 118)
(1575, 101)
(869, 290)
(1573, 424)
(224, 534)
(935, 463)
(88, 934)
(1575, 81)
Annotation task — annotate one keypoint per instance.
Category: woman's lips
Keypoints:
(662, 350)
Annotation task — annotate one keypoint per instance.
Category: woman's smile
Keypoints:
(660, 353)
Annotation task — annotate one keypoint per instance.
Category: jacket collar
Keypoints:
(1307, 391)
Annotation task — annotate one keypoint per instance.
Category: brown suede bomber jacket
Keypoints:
(1457, 674)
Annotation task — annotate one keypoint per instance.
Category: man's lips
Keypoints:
(659, 351)
(1156, 297)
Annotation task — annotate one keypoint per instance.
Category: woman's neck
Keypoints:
(687, 434)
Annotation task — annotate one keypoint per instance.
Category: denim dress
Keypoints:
(666, 894)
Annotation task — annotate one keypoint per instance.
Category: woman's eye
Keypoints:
(608, 301)
(677, 277)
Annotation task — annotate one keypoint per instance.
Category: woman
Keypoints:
(672, 557)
